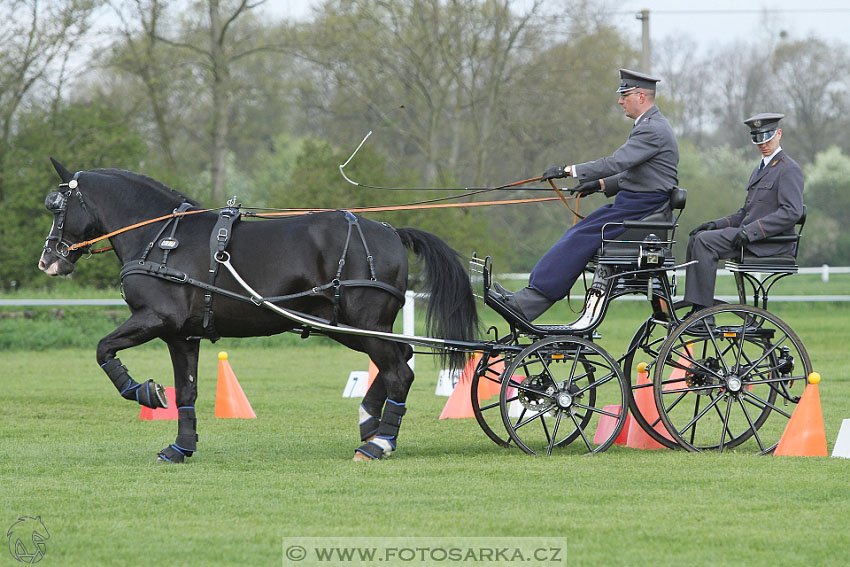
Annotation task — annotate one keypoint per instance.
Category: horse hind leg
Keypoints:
(389, 389)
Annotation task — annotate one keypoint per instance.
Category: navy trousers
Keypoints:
(558, 269)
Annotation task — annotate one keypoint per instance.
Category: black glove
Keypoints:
(704, 226)
(554, 172)
(587, 188)
(741, 240)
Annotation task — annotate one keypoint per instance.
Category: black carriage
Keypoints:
(725, 377)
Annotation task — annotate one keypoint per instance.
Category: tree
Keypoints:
(827, 197)
(810, 86)
(140, 54)
(428, 75)
(221, 36)
(35, 44)
(82, 136)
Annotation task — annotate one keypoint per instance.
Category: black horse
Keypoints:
(335, 266)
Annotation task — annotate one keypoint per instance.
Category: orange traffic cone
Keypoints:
(607, 423)
(645, 401)
(162, 413)
(230, 400)
(459, 404)
(373, 372)
(804, 435)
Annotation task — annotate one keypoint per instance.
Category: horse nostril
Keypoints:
(42, 265)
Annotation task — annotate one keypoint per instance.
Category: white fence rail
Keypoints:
(825, 272)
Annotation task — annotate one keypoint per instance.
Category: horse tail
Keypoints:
(451, 312)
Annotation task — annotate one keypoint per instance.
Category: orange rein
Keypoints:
(293, 212)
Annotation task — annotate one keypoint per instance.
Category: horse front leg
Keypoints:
(184, 359)
(139, 328)
(395, 378)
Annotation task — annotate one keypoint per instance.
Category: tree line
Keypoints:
(218, 98)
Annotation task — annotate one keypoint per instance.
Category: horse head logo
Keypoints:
(27, 539)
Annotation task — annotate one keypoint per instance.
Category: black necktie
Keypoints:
(761, 165)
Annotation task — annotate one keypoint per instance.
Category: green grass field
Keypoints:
(76, 454)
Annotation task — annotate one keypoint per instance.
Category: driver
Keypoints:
(639, 175)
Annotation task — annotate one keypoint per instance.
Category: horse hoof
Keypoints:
(162, 398)
(360, 457)
(169, 455)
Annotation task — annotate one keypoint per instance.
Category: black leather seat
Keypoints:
(661, 223)
(779, 264)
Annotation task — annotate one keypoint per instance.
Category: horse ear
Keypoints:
(64, 174)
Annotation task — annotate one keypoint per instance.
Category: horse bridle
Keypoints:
(58, 205)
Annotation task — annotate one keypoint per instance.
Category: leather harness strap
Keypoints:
(219, 239)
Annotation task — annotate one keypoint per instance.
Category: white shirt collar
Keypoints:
(771, 156)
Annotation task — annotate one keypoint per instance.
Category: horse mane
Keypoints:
(151, 183)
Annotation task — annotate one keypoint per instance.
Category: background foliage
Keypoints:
(220, 97)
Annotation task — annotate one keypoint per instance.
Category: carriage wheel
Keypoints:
(733, 382)
(562, 389)
(486, 385)
(644, 347)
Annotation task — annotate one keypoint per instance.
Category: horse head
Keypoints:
(88, 204)
(72, 223)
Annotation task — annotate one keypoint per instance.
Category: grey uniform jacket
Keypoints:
(774, 204)
(647, 162)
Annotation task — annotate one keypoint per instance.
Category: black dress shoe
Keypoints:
(506, 298)
(703, 325)
(695, 308)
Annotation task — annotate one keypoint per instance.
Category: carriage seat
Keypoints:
(778, 264)
(776, 267)
(660, 225)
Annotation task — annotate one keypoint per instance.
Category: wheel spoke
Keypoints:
(699, 415)
(753, 427)
(766, 404)
(554, 432)
(725, 423)
(581, 432)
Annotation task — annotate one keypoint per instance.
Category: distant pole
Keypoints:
(645, 59)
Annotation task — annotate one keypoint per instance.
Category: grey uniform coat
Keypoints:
(773, 205)
(647, 162)
(640, 173)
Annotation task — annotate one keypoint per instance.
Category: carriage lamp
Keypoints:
(651, 253)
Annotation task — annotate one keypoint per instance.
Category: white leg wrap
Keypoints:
(383, 444)
(364, 415)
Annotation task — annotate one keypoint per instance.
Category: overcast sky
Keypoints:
(708, 23)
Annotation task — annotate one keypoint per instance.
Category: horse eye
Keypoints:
(54, 201)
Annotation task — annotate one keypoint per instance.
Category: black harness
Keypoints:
(219, 239)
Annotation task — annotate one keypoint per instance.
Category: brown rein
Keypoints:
(294, 212)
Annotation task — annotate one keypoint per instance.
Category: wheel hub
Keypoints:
(564, 400)
(734, 384)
